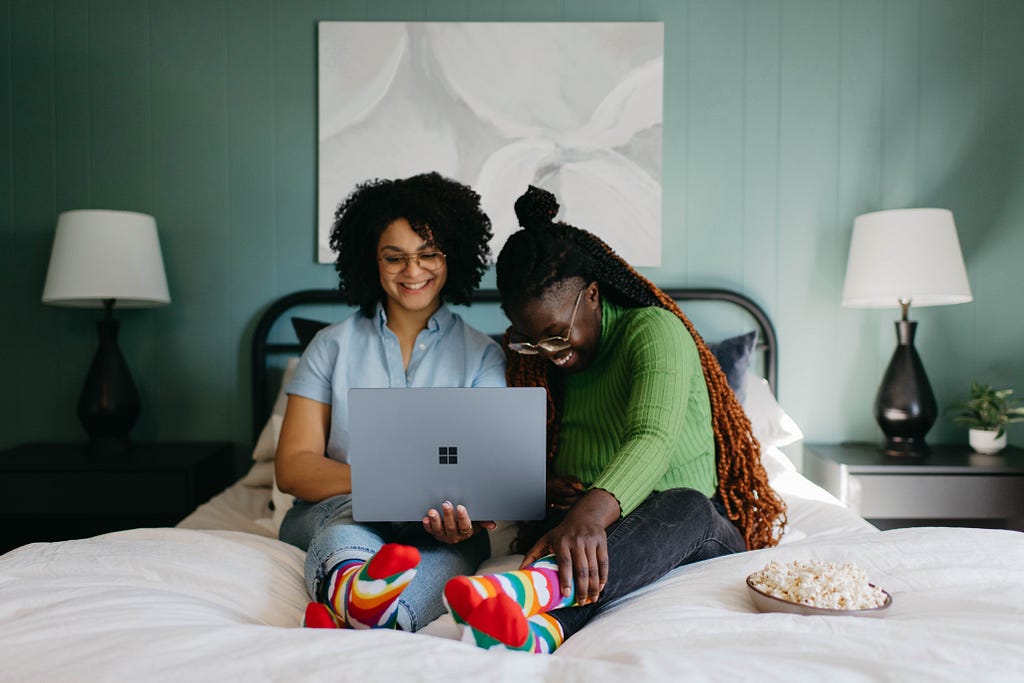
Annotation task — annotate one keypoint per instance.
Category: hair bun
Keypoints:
(536, 209)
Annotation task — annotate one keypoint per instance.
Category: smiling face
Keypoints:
(415, 286)
(551, 315)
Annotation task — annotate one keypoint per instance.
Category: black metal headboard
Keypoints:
(263, 349)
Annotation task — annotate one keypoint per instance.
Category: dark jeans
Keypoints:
(669, 529)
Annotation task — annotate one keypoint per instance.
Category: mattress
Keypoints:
(215, 604)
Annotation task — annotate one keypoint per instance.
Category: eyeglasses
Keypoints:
(550, 345)
(395, 263)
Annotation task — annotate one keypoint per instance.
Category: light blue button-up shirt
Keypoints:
(361, 352)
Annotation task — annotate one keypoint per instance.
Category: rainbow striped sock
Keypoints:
(535, 589)
(365, 594)
(499, 623)
(485, 604)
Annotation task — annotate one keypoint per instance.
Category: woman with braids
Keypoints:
(652, 461)
(404, 247)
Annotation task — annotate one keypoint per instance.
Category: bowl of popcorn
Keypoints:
(812, 587)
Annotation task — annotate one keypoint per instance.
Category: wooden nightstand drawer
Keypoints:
(950, 484)
(57, 491)
(967, 497)
(95, 492)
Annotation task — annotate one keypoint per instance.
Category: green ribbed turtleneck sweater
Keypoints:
(638, 419)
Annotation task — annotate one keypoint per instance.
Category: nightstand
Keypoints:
(52, 491)
(951, 484)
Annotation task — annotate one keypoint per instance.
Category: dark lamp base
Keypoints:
(905, 406)
(905, 447)
(109, 404)
(109, 446)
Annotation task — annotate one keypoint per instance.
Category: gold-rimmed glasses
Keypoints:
(396, 262)
(549, 345)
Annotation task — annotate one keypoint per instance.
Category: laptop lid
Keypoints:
(410, 449)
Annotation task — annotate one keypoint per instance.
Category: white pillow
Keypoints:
(266, 445)
(770, 423)
(282, 502)
(260, 475)
(775, 463)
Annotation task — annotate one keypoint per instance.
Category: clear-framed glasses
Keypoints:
(396, 262)
(550, 345)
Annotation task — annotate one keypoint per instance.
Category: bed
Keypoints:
(219, 598)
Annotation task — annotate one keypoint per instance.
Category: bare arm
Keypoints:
(301, 467)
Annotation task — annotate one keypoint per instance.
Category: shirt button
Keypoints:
(422, 346)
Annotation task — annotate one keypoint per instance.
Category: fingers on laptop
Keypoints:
(451, 525)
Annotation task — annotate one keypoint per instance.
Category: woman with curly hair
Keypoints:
(404, 248)
(652, 461)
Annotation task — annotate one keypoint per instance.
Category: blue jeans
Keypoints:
(329, 535)
(669, 529)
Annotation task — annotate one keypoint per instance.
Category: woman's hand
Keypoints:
(580, 545)
(564, 492)
(452, 524)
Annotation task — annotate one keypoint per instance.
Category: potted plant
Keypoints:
(986, 412)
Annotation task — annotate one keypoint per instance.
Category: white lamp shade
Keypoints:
(100, 254)
(911, 254)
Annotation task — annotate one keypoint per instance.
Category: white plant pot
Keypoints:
(985, 441)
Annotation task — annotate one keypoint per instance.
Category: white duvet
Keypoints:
(192, 605)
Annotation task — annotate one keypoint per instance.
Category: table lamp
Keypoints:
(107, 259)
(897, 258)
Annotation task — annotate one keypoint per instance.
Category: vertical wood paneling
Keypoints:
(485, 10)
(120, 107)
(901, 64)
(251, 175)
(783, 119)
(674, 144)
(948, 149)
(8, 428)
(32, 209)
(809, 248)
(72, 93)
(531, 10)
(859, 191)
(396, 10)
(448, 10)
(600, 10)
(190, 162)
(295, 143)
(714, 219)
(998, 234)
(348, 10)
(760, 164)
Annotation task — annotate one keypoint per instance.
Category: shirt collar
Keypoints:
(442, 319)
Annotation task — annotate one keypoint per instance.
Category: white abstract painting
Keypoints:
(575, 108)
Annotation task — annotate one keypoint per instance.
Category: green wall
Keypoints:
(784, 119)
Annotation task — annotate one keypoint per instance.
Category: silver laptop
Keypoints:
(413, 448)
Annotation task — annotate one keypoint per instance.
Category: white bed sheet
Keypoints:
(197, 605)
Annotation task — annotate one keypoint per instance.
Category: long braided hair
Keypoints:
(547, 252)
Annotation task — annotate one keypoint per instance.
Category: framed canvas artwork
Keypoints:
(575, 108)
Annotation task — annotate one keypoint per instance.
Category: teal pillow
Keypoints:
(733, 356)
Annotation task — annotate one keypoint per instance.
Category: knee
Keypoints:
(688, 506)
(684, 499)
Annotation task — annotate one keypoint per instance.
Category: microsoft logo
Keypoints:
(448, 455)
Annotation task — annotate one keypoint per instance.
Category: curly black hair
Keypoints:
(440, 210)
